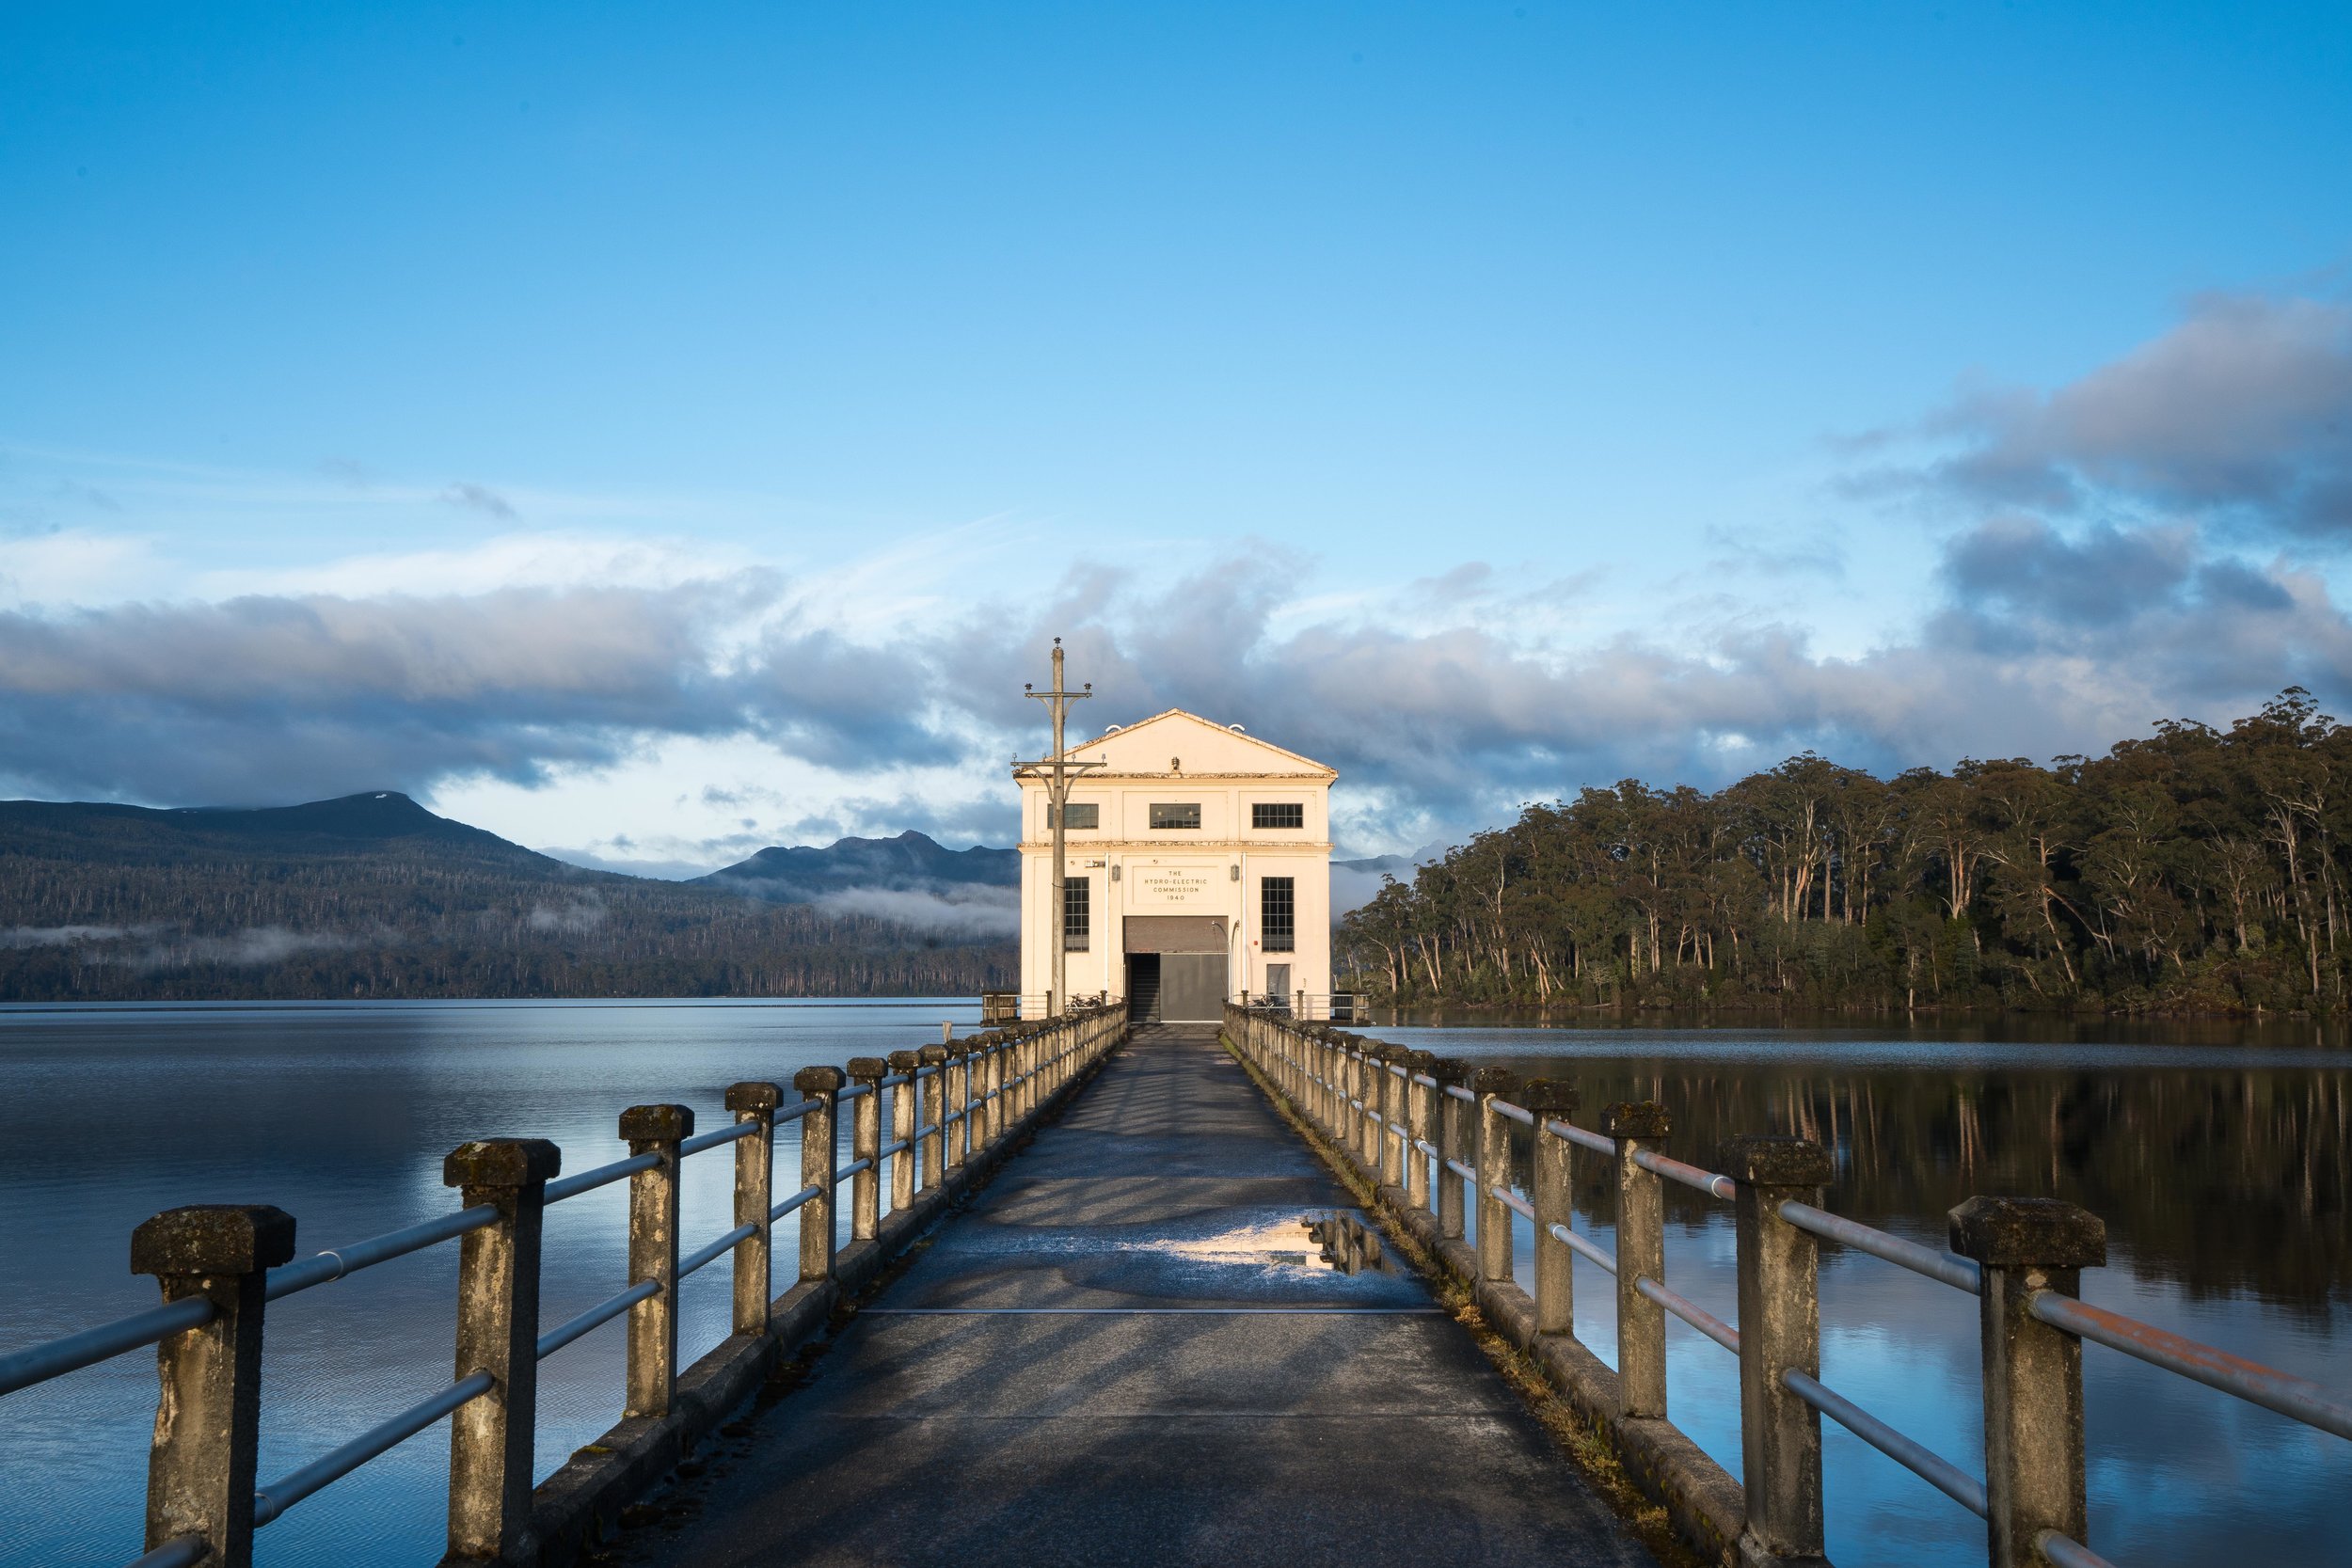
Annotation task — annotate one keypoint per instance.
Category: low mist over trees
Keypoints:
(375, 897)
(2199, 870)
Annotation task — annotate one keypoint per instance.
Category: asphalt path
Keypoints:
(1135, 1347)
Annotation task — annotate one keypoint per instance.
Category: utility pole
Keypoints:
(1057, 702)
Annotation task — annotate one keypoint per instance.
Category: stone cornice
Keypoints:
(1075, 846)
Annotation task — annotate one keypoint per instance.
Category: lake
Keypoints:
(2218, 1158)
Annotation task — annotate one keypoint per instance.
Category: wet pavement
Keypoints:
(1160, 1336)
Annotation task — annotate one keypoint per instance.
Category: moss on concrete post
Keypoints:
(1392, 1087)
(903, 1099)
(201, 1470)
(755, 1195)
(992, 1088)
(1552, 1099)
(653, 1202)
(1636, 1125)
(1493, 1084)
(959, 1104)
(2033, 1372)
(1420, 1127)
(1780, 1330)
(819, 1085)
(1371, 1074)
(498, 1333)
(1454, 1140)
(932, 1108)
(865, 1072)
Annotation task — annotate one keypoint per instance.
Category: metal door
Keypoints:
(1192, 987)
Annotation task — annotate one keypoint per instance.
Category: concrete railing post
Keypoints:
(959, 1077)
(1371, 1072)
(1392, 1087)
(1418, 1127)
(755, 1195)
(819, 1140)
(866, 1140)
(200, 1471)
(904, 1102)
(497, 1332)
(932, 1108)
(1551, 1100)
(983, 1108)
(653, 1200)
(1493, 1083)
(1335, 1111)
(1454, 1140)
(1641, 1255)
(998, 1105)
(2033, 1372)
(1780, 1329)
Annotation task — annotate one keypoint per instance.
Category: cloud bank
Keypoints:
(2148, 541)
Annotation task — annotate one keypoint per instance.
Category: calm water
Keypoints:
(2220, 1160)
(341, 1116)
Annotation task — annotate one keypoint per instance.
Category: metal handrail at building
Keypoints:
(952, 1109)
(1434, 1139)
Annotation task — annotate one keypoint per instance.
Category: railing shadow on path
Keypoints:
(1437, 1142)
(929, 1122)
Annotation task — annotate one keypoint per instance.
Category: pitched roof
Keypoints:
(1225, 732)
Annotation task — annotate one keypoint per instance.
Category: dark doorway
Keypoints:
(1143, 988)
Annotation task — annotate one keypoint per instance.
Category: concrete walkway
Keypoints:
(1129, 1350)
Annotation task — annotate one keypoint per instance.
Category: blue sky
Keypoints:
(655, 432)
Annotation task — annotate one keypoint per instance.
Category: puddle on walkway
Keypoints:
(1325, 1242)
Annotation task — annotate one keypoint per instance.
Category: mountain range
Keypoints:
(911, 879)
(374, 896)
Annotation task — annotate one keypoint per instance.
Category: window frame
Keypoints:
(1077, 924)
(1258, 810)
(1277, 935)
(1151, 817)
(1091, 810)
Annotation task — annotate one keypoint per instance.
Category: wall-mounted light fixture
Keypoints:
(1114, 873)
(1237, 873)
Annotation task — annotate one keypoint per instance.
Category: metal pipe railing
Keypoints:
(220, 1267)
(2020, 1257)
(2298, 1398)
(1690, 1312)
(270, 1502)
(335, 1262)
(1928, 1465)
(40, 1363)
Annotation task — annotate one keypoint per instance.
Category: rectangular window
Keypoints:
(1278, 921)
(1186, 815)
(1080, 813)
(1078, 913)
(1278, 813)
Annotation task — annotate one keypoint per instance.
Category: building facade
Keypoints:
(1199, 868)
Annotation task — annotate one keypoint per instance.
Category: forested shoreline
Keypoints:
(373, 898)
(2198, 871)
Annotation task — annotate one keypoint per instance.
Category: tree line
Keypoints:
(2199, 870)
(427, 918)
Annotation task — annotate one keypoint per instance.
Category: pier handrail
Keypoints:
(1435, 1140)
(220, 1267)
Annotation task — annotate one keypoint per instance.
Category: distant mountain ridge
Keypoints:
(910, 880)
(346, 823)
(374, 896)
(911, 860)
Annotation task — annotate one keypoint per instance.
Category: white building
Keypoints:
(1199, 865)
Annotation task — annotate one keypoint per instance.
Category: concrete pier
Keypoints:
(1133, 1347)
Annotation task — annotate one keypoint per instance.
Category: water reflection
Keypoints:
(2223, 1173)
(341, 1114)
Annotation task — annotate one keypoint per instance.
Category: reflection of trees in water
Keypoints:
(2215, 1181)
